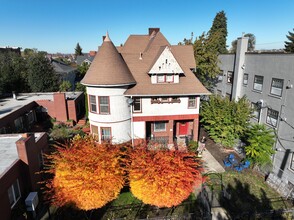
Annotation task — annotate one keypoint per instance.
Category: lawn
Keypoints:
(248, 193)
(126, 206)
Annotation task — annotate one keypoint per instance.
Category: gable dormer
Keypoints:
(166, 69)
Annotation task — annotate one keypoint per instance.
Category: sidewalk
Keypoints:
(210, 164)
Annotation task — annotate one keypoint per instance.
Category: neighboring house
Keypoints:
(86, 58)
(20, 159)
(266, 79)
(10, 49)
(19, 114)
(144, 90)
(64, 71)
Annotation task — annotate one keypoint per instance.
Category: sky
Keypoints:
(58, 25)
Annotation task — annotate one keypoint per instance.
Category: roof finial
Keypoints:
(107, 37)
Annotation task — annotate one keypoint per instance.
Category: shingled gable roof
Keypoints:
(188, 85)
(108, 68)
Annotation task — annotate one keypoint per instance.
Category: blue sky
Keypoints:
(57, 25)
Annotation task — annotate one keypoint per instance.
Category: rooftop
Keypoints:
(8, 151)
(8, 105)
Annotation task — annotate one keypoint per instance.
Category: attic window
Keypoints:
(166, 61)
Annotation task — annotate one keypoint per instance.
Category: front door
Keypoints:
(183, 128)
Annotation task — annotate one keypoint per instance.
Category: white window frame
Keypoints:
(245, 79)
(257, 86)
(92, 103)
(272, 121)
(12, 190)
(192, 102)
(256, 111)
(230, 76)
(137, 103)
(156, 129)
(275, 88)
(101, 105)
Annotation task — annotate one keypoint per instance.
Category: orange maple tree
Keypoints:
(86, 174)
(163, 178)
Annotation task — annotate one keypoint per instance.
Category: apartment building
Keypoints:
(266, 79)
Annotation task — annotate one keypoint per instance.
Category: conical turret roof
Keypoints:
(108, 68)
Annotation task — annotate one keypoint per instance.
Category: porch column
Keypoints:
(195, 129)
(170, 132)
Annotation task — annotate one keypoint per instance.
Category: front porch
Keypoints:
(172, 133)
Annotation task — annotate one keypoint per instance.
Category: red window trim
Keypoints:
(89, 104)
(103, 113)
(101, 134)
(164, 81)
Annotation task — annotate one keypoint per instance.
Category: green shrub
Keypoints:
(193, 146)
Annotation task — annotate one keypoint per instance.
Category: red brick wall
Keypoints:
(5, 182)
(49, 105)
(167, 133)
(60, 107)
(8, 121)
(72, 112)
(29, 151)
(24, 170)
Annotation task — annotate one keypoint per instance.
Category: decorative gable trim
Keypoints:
(166, 64)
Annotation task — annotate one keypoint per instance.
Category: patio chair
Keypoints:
(227, 163)
(231, 156)
(239, 168)
(246, 164)
(233, 160)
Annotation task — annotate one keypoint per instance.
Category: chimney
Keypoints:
(14, 95)
(239, 68)
(153, 29)
(103, 37)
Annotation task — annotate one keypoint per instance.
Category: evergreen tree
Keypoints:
(12, 73)
(41, 75)
(206, 56)
(289, 45)
(220, 25)
(78, 50)
(225, 120)
(251, 43)
(65, 86)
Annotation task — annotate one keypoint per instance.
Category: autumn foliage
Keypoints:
(161, 177)
(86, 174)
(89, 175)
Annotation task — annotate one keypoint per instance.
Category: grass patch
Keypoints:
(250, 193)
(126, 206)
(125, 198)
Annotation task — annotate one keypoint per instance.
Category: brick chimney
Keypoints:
(153, 29)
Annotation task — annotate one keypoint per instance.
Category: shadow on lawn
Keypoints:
(243, 205)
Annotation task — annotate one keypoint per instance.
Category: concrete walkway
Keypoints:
(210, 164)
